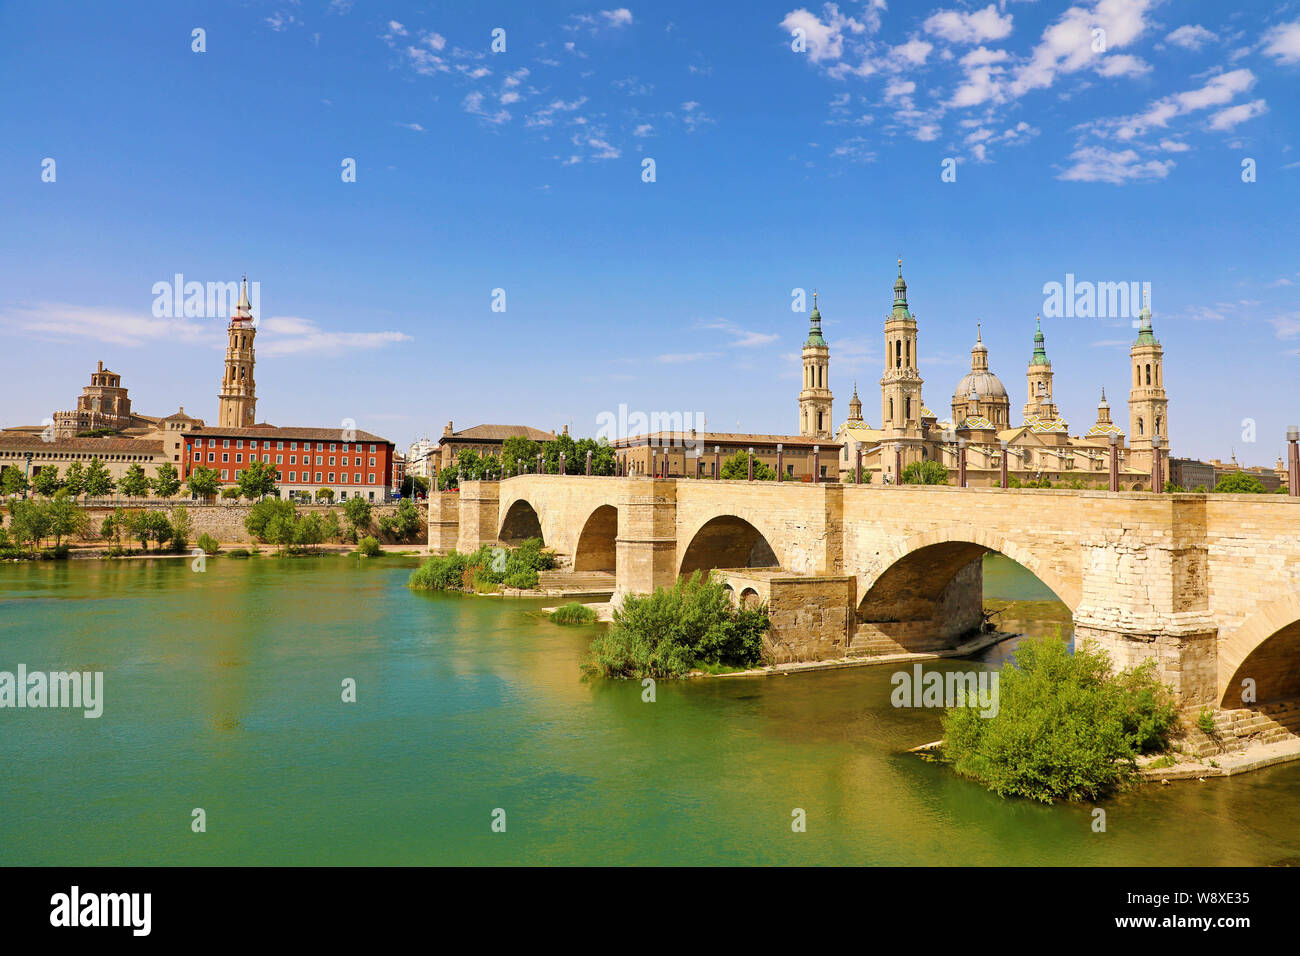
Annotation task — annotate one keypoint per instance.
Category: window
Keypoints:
(331, 477)
(1140, 426)
(356, 478)
(898, 354)
(344, 478)
(318, 476)
(345, 461)
(225, 475)
(293, 476)
(320, 446)
(279, 459)
(239, 457)
(212, 456)
(225, 443)
(225, 456)
(239, 443)
(372, 464)
(332, 448)
(1148, 374)
(372, 479)
(279, 446)
(293, 446)
(372, 449)
(331, 459)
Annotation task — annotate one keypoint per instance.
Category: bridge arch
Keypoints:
(1265, 647)
(948, 550)
(596, 548)
(520, 523)
(728, 541)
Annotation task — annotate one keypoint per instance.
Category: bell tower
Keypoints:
(1148, 405)
(900, 386)
(815, 396)
(1039, 379)
(237, 400)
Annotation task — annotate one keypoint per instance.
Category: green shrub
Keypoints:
(667, 633)
(525, 579)
(573, 613)
(486, 569)
(1205, 721)
(1065, 728)
(368, 546)
(209, 544)
(239, 553)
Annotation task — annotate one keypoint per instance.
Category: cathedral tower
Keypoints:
(900, 386)
(855, 408)
(237, 401)
(1039, 380)
(815, 396)
(1148, 405)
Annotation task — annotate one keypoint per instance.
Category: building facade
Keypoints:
(701, 454)
(353, 464)
(1040, 449)
(484, 440)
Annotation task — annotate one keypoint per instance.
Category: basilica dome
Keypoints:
(985, 384)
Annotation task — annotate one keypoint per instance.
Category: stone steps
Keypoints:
(1235, 729)
(594, 582)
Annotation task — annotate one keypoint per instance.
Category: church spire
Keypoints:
(243, 308)
(815, 338)
(1146, 336)
(1040, 349)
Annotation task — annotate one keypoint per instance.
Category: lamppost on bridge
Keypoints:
(1157, 478)
(961, 463)
(588, 462)
(27, 474)
(780, 461)
(1293, 461)
(717, 462)
(816, 463)
(1004, 462)
(699, 462)
(857, 463)
(1114, 462)
(751, 463)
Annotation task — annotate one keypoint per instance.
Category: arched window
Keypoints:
(907, 408)
(1148, 374)
(819, 421)
(898, 354)
(1140, 431)
(1137, 375)
(1157, 424)
(908, 351)
(891, 409)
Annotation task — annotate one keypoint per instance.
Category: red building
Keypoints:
(352, 463)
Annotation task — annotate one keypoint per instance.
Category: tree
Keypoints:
(551, 455)
(1239, 483)
(603, 461)
(413, 484)
(66, 519)
(448, 478)
(1173, 488)
(329, 526)
(260, 516)
(134, 483)
(925, 473)
(74, 481)
(309, 532)
(182, 527)
(99, 483)
(736, 468)
(356, 511)
(325, 494)
(13, 481)
(29, 522)
(203, 482)
(402, 525)
(168, 482)
(257, 480)
(46, 481)
(230, 494)
(281, 528)
(517, 451)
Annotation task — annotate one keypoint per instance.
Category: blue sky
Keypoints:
(1115, 157)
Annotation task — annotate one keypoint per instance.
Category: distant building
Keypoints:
(354, 464)
(1188, 473)
(29, 453)
(484, 440)
(675, 454)
(422, 458)
(1270, 478)
(399, 471)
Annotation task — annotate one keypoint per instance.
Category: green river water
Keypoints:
(223, 691)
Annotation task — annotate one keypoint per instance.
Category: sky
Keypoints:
(617, 205)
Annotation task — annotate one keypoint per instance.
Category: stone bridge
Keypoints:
(1207, 585)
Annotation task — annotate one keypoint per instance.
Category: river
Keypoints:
(223, 692)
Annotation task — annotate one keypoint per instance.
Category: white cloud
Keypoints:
(1191, 37)
(415, 127)
(1283, 42)
(1173, 146)
(957, 27)
(743, 338)
(617, 18)
(645, 129)
(1093, 164)
(824, 40)
(1233, 115)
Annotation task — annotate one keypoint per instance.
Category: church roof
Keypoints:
(1101, 428)
(977, 422)
(1037, 424)
(986, 385)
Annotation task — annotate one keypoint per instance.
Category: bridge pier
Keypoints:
(646, 546)
(444, 521)
(478, 515)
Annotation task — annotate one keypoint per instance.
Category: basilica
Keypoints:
(1038, 450)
